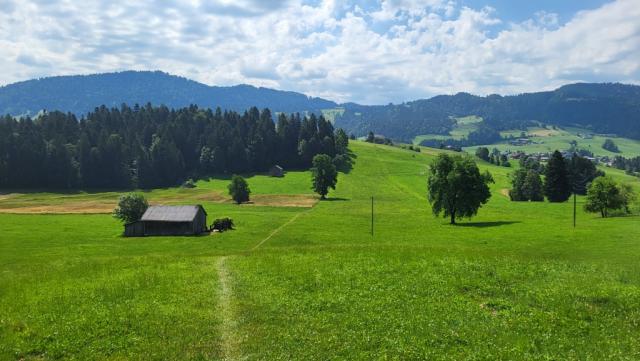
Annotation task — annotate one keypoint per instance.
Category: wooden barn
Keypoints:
(276, 171)
(169, 221)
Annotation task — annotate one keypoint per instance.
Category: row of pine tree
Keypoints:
(151, 146)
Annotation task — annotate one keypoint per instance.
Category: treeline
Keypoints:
(400, 122)
(562, 177)
(150, 146)
(483, 135)
(629, 165)
(493, 157)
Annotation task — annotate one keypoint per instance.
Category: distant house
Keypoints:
(520, 141)
(169, 221)
(276, 171)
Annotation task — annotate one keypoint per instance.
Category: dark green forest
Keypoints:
(603, 108)
(151, 146)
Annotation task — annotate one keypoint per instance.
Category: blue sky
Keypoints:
(372, 52)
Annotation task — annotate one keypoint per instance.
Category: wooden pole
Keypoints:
(371, 216)
(574, 209)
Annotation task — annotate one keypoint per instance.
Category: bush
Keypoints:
(239, 189)
(131, 207)
(189, 183)
(483, 153)
(222, 224)
(610, 146)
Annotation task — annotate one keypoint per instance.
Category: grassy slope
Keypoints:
(464, 126)
(561, 138)
(517, 282)
(548, 139)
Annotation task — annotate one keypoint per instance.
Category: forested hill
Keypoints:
(604, 108)
(80, 94)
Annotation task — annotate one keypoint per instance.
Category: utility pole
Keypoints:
(371, 216)
(574, 209)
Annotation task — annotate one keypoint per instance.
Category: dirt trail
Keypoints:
(275, 231)
(230, 341)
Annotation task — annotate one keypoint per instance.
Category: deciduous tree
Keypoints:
(324, 175)
(456, 188)
(131, 207)
(239, 189)
(603, 195)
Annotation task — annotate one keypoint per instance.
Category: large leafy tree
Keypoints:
(239, 189)
(456, 188)
(131, 207)
(556, 185)
(324, 175)
(603, 195)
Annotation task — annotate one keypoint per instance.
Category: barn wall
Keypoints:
(168, 228)
(135, 229)
(200, 222)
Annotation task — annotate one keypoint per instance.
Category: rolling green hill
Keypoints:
(306, 280)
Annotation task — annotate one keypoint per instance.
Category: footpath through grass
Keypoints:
(515, 282)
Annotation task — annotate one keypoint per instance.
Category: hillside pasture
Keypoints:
(464, 126)
(549, 139)
(515, 282)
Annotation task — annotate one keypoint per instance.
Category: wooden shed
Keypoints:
(169, 221)
(276, 171)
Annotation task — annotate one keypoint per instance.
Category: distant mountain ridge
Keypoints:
(80, 94)
(603, 108)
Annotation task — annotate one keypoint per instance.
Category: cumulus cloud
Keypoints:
(369, 52)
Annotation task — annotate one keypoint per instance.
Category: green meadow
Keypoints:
(548, 139)
(301, 279)
(464, 126)
(544, 139)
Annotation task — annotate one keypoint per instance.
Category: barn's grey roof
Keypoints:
(171, 213)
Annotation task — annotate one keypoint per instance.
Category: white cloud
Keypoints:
(393, 50)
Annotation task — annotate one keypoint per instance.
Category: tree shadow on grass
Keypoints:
(486, 224)
(334, 199)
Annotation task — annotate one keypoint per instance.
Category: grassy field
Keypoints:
(463, 127)
(293, 282)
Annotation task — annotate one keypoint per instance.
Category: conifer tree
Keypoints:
(556, 184)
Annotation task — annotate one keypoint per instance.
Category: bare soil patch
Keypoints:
(284, 200)
(106, 206)
(5, 196)
(86, 207)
